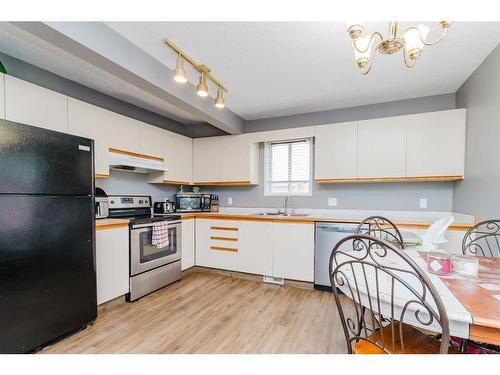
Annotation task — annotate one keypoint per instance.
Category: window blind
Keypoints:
(288, 167)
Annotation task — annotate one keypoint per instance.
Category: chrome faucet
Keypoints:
(287, 198)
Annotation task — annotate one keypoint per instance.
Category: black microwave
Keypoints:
(193, 202)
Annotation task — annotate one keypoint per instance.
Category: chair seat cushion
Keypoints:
(415, 342)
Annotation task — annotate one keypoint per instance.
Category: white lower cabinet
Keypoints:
(293, 251)
(283, 250)
(217, 244)
(2, 95)
(255, 247)
(187, 241)
(112, 263)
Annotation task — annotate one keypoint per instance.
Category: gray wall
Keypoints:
(479, 192)
(394, 196)
(136, 184)
(365, 112)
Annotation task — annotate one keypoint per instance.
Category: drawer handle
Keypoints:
(223, 238)
(224, 228)
(230, 249)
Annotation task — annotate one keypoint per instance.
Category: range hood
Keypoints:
(132, 162)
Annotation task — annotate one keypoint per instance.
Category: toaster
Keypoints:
(166, 207)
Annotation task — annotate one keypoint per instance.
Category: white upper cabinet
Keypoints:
(179, 159)
(436, 144)
(2, 95)
(336, 151)
(206, 160)
(152, 140)
(89, 121)
(34, 105)
(382, 148)
(238, 160)
(123, 133)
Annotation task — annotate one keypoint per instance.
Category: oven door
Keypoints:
(145, 256)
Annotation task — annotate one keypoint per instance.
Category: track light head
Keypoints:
(202, 88)
(180, 74)
(219, 100)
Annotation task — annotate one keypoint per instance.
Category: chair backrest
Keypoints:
(380, 227)
(434, 235)
(382, 279)
(483, 239)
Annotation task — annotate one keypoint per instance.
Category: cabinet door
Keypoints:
(2, 95)
(236, 162)
(179, 159)
(293, 251)
(206, 159)
(152, 140)
(112, 267)
(89, 121)
(382, 147)
(436, 144)
(335, 155)
(34, 105)
(187, 234)
(123, 133)
(217, 244)
(255, 247)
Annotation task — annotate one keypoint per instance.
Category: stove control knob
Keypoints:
(112, 202)
(140, 202)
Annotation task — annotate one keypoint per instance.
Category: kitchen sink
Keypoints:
(280, 214)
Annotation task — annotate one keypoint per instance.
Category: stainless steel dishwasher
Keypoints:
(327, 236)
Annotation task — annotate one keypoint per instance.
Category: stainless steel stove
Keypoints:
(151, 267)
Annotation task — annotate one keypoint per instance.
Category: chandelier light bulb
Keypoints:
(180, 74)
(219, 100)
(202, 88)
(414, 38)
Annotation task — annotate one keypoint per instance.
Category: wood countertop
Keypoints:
(310, 219)
(103, 224)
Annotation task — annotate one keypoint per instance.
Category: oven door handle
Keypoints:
(150, 225)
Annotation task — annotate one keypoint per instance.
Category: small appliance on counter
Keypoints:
(196, 202)
(161, 208)
(101, 204)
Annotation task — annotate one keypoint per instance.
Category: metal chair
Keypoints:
(483, 239)
(382, 228)
(370, 271)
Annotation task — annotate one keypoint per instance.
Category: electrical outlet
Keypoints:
(332, 202)
(423, 202)
(230, 200)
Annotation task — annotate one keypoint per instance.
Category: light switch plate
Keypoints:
(423, 202)
(230, 200)
(332, 202)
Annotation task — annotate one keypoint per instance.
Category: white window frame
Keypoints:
(310, 180)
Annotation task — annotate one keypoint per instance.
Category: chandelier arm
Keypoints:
(405, 58)
(445, 30)
(373, 35)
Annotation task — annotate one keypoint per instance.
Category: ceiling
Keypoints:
(284, 68)
(23, 46)
(271, 68)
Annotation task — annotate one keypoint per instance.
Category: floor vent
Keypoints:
(274, 280)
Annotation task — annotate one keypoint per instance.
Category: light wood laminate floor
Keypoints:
(212, 313)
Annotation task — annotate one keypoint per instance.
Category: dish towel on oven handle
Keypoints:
(160, 234)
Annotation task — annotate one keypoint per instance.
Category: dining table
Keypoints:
(472, 304)
(480, 296)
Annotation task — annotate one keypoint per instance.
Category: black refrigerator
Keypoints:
(47, 236)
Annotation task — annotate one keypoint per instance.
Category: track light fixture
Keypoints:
(219, 100)
(202, 88)
(180, 75)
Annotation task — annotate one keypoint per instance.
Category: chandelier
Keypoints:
(412, 41)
